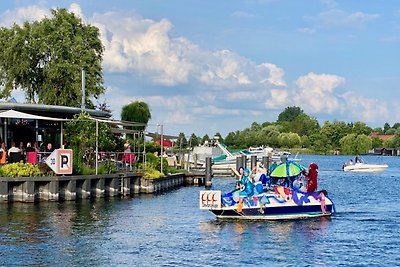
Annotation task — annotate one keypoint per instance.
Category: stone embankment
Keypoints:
(67, 188)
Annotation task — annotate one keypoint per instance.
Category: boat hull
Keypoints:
(365, 168)
(277, 207)
(273, 214)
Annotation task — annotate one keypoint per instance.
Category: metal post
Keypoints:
(244, 160)
(37, 131)
(239, 162)
(6, 131)
(268, 163)
(208, 172)
(162, 147)
(253, 161)
(97, 143)
(188, 160)
(83, 103)
(62, 135)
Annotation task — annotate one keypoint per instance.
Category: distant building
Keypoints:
(383, 137)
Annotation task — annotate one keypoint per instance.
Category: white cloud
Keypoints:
(308, 31)
(243, 14)
(137, 45)
(316, 92)
(275, 74)
(77, 10)
(365, 109)
(278, 99)
(340, 18)
(20, 15)
(213, 110)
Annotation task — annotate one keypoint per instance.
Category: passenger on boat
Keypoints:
(245, 185)
(261, 180)
(347, 164)
(358, 159)
(312, 178)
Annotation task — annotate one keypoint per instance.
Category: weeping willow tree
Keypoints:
(136, 112)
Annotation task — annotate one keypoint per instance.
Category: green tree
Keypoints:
(230, 139)
(334, 132)
(396, 125)
(377, 130)
(361, 128)
(194, 140)
(377, 142)
(137, 112)
(45, 59)
(289, 114)
(220, 139)
(182, 141)
(205, 138)
(348, 144)
(363, 144)
(289, 140)
(320, 143)
(355, 144)
(304, 125)
(386, 127)
(80, 134)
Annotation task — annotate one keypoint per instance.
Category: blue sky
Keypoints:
(217, 66)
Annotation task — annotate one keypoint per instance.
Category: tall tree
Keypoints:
(45, 59)
(182, 141)
(136, 112)
(289, 114)
(386, 127)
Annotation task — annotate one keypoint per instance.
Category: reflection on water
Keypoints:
(170, 230)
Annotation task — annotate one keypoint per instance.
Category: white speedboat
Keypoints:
(363, 167)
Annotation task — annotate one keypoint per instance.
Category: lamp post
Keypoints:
(162, 146)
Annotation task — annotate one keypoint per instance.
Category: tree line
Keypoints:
(294, 129)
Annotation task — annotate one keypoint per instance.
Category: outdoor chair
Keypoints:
(31, 157)
(14, 157)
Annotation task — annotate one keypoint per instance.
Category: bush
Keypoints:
(107, 167)
(21, 170)
(152, 173)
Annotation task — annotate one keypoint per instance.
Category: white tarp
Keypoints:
(21, 115)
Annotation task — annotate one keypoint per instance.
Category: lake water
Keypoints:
(170, 230)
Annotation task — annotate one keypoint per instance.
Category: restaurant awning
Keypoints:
(22, 115)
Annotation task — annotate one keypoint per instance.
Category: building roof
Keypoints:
(383, 137)
(61, 112)
(23, 115)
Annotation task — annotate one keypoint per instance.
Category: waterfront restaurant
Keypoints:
(38, 123)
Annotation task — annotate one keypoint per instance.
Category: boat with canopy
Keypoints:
(279, 195)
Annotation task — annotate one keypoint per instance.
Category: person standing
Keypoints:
(312, 178)
(3, 153)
